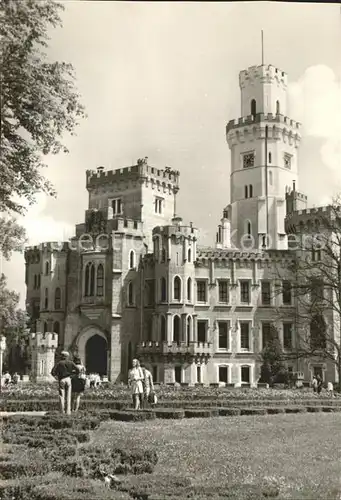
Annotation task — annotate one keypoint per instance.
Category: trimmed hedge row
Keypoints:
(92, 404)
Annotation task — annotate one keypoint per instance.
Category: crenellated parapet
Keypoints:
(141, 172)
(262, 74)
(253, 126)
(177, 229)
(44, 341)
(310, 220)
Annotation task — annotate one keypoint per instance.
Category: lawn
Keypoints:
(300, 454)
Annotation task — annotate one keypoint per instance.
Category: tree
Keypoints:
(273, 369)
(315, 276)
(16, 333)
(38, 100)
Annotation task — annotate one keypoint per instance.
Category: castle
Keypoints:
(134, 281)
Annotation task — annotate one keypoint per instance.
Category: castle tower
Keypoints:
(224, 231)
(43, 347)
(263, 144)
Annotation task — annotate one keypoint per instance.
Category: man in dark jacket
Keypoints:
(62, 372)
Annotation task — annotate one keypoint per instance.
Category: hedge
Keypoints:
(331, 409)
(296, 409)
(202, 413)
(275, 411)
(253, 411)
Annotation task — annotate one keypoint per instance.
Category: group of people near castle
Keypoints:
(71, 377)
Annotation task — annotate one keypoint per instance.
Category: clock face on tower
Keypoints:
(248, 160)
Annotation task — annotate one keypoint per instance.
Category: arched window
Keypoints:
(177, 288)
(56, 328)
(100, 280)
(46, 299)
(250, 190)
(57, 299)
(189, 255)
(176, 329)
(130, 355)
(35, 281)
(189, 328)
(270, 178)
(253, 107)
(318, 332)
(38, 280)
(163, 255)
(246, 191)
(270, 157)
(189, 289)
(278, 109)
(156, 247)
(45, 327)
(131, 259)
(130, 293)
(89, 285)
(47, 268)
(248, 228)
(163, 337)
(163, 290)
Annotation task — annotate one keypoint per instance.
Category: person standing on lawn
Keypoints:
(135, 382)
(319, 384)
(314, 383)
(148, 384)
(62, 371)
(77, 384)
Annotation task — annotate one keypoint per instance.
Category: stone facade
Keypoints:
(135, 281)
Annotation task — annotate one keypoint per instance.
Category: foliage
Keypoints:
(39, 101)
(12, 237)
(273, 369)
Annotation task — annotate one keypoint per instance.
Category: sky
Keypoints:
(161, 80)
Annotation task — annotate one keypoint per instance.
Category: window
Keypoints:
(176, 329)
(199, 374)
(266, 293)
(163, 290)
(248, 228)
(315, 255)
(155, 373)
(245, 291)
(177, 374)
(316, 290)
(287, 160)
(253, 107)
(100, 280)
(286, 293)
(158, 205)
(56, 328)
(318, 332)
(57, 299)
(189, 289)
(223, 328)
(116, 206)
(248, 160)
(130, 293)
(163, 329)
(287, 335)
(177, 288)
(266, 334)
(277, 108)
(270, 178)
(223, 291)
(223, 374)
(149, 292)
(46, 299)
(163, 255)
(131, 259)
(246, 191)
(89, 288)
(202, 326)
(38, 280)
(189, 255)
(156, 247)
(189, 328)
(35, 282)
(250, 190)
(245, 335)
(245, 374)
(45, 327)
(270, 157)
(201, 291)
(47, 268)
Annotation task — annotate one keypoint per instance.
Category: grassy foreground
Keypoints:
(297, 456)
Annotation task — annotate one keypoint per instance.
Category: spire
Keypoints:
(262, 48)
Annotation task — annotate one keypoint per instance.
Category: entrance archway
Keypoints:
(96, 360)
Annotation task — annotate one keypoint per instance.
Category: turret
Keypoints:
(224, 231)
(43, 347)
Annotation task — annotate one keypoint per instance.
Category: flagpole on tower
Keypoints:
(262, 49)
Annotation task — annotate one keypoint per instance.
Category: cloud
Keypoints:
(316, 102)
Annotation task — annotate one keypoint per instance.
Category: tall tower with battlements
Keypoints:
(264, 144)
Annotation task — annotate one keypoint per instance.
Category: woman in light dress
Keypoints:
(135, 382)
(78, 384)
